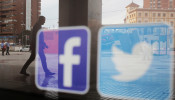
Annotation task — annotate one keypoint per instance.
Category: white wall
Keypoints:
(28, 14)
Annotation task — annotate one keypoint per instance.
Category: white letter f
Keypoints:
(68, 59)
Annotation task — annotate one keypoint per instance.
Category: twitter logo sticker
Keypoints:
(140, 59)
(135, 61)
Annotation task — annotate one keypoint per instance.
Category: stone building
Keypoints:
(134, 14)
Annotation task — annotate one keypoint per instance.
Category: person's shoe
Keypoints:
(49, 73)
(26, 74)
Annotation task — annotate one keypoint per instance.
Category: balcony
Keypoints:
(39, 3)
(8, 28)
(8, 4)
(6, 1)
(6, 23)
(9, 13)
(7, 18)
(9, 32)
(9, 9)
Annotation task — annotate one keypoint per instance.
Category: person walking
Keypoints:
(35, 29)
(7, 48)
(2, 47)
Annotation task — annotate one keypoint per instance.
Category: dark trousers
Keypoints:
(43, 61)
(29, 61)
(2, 51)
(7, 51)
(32, 58)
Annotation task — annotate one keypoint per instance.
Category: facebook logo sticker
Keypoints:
(72, 60)
(68, 60)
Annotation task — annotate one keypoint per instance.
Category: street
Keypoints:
(23, 87)
(10, 66)
(20, 86)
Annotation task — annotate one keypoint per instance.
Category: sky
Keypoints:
(49, 9)
(113, 11)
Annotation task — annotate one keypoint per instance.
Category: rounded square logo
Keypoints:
(64, 53)
(135, 62)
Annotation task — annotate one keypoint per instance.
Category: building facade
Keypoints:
(149, 15)
(160, 4)
(17, 16)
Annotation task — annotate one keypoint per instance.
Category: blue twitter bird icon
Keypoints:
(134, 61)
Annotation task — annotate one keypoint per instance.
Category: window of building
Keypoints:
(172, 24)
(139, 14)
(154, 14)
(154, 5)
(172, 15)
(159, 1)
(171, 4)
(146, 14)
(164, 15)
(159, 14)
(159, 5)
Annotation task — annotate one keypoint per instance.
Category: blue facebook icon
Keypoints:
(73, 61)
(66, 55)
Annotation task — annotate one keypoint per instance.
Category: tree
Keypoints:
(25, 37)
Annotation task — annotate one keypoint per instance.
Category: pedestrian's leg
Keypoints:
(43, 61)
(8, 51)
(26, 65)
(44, 64)
(3, 52)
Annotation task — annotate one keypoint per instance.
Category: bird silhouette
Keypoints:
(132, 66)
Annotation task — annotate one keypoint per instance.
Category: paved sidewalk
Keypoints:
(10, 66)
